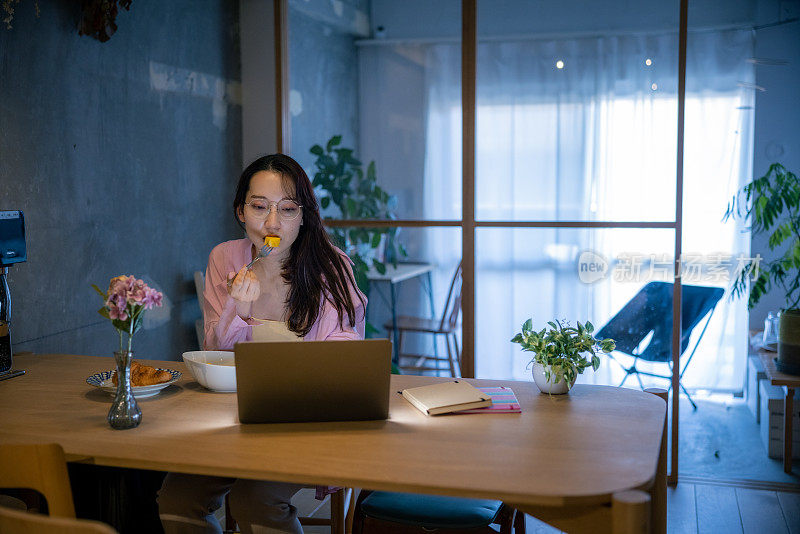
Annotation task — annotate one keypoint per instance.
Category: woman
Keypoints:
(303, 290)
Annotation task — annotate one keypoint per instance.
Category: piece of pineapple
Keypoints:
(272, 241)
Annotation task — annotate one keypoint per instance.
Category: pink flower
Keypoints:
(118, 285)
(152, 298)
(137, 295)
(117, 307)
(128, 291)
(117, 313)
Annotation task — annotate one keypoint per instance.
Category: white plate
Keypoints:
(103, 381)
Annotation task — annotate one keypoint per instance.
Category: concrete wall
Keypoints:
(123, 156)
(777, 138)
(259, 92)
(323, 73)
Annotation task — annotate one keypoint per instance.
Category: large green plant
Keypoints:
(562, 349)
(772, 205)
(340, 180)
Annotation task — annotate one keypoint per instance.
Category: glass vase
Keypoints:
(124, 412)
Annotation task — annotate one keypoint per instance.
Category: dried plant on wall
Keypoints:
(8, 10)
(98, 18)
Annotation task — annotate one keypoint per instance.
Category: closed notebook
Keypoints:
(446, 397)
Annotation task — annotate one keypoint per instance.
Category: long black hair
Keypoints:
(315, 269)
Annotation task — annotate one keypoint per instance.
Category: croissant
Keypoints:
(144, 375)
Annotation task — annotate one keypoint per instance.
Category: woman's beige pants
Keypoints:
(186, 504)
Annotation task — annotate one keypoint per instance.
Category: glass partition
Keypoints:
(365, 78)
(576, 111)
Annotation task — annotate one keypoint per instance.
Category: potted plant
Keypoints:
(340, 180)
(124, 304)
(561, 352)
(771, 204)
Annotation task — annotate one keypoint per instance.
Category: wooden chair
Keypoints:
(39, 467)
(200, 286)
(340, 521)
(403, 513)
(21, 522)
(444, 326)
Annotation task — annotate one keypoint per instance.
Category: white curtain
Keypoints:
(593, 140)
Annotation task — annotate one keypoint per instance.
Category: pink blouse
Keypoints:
(224, 328)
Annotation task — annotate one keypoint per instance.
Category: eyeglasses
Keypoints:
(259, 208)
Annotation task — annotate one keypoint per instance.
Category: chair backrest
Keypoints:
(199, 326)
(199, 285)
(38, 467)
(650, 310)
(452, 306)
(20, 522)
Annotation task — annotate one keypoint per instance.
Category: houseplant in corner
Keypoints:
(561, 352)
(340, 180)
(772, 206)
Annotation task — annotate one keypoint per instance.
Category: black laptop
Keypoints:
(289, 382)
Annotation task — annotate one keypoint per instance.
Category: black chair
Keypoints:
(650, 312)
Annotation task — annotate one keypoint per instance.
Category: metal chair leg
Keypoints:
(687, 395)
(638, 378)
(450, 357)
(458, 352)
(627, 374)
(436, 353)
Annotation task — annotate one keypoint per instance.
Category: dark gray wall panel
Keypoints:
(124, 157)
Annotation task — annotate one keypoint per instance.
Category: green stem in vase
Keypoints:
(130, 335)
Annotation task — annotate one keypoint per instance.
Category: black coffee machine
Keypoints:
(12, 250)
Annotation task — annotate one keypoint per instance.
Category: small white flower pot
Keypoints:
(549, 386)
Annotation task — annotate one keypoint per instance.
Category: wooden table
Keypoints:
(563, 453)
(789, 383)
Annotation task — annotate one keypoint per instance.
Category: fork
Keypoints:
(263, 253)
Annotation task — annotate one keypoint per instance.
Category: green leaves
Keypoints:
(771, 204)
(335, 140)
(563, 349)
(380, 267)
(341, 181)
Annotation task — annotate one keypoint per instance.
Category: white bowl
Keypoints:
(213, 369)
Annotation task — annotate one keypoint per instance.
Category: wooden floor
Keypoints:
(706, 508)
(691, 508)
(721, 509)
